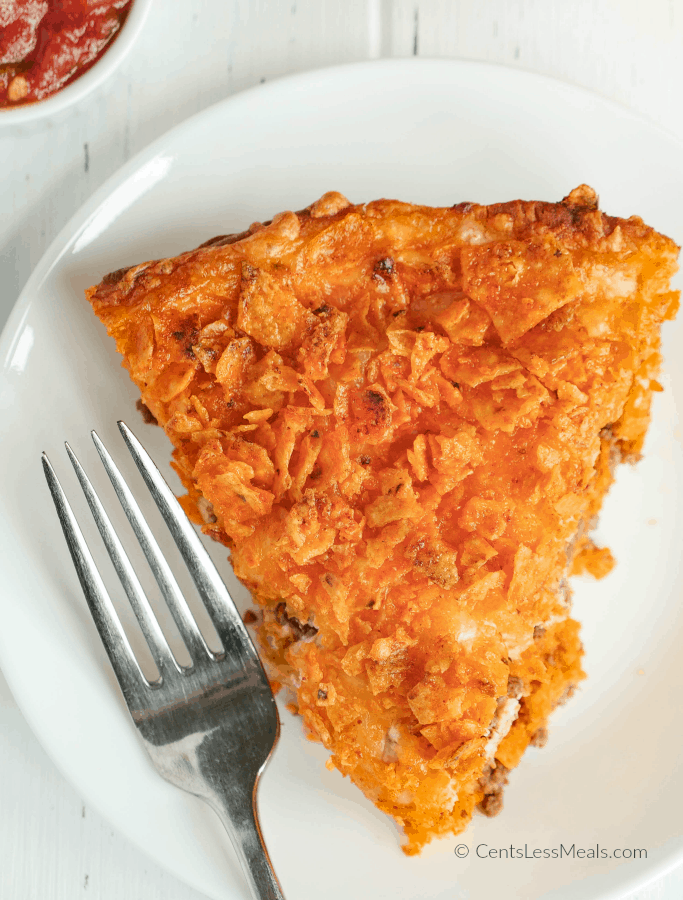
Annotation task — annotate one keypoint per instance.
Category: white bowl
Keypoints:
(102, 69)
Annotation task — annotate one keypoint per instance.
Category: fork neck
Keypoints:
(241, 822)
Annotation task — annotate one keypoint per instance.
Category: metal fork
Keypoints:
(209, 727)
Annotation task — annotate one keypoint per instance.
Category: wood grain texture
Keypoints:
(628, 51)
(51, 846)
(188, 57)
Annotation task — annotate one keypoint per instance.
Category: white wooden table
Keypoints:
(52, 847)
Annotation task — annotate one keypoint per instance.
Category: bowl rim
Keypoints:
(84, 84)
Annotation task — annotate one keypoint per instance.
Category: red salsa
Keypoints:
(47, 44)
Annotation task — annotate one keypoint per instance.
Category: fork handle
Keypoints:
(243, 827)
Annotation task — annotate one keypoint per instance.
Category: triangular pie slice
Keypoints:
(402, 421)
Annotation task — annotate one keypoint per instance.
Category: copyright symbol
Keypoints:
(461, 850)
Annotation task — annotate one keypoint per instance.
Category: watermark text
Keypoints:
(564, 851)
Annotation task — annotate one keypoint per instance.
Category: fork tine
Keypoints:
(180, 611)
(128, 672)
(209, 583)
(154, 636)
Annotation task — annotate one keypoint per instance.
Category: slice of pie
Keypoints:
(402, 421)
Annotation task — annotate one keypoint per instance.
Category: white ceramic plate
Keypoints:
(426, 131)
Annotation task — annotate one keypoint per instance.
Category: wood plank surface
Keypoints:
(189, 56)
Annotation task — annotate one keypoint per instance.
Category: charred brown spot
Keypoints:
(186, 337)
(492, 804)
(115, 277)
(365, 460)
(492, 783)
(322, 695)
(384, 266)
(539, 738)
(322, 310)
(539, 632)
(249, 617)
(315, 434)
(148, 416)
(299, 629)
(371, 410)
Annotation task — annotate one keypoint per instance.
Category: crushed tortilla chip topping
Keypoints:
(402, 422)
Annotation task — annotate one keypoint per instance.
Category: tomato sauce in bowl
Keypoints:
(47, 44)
